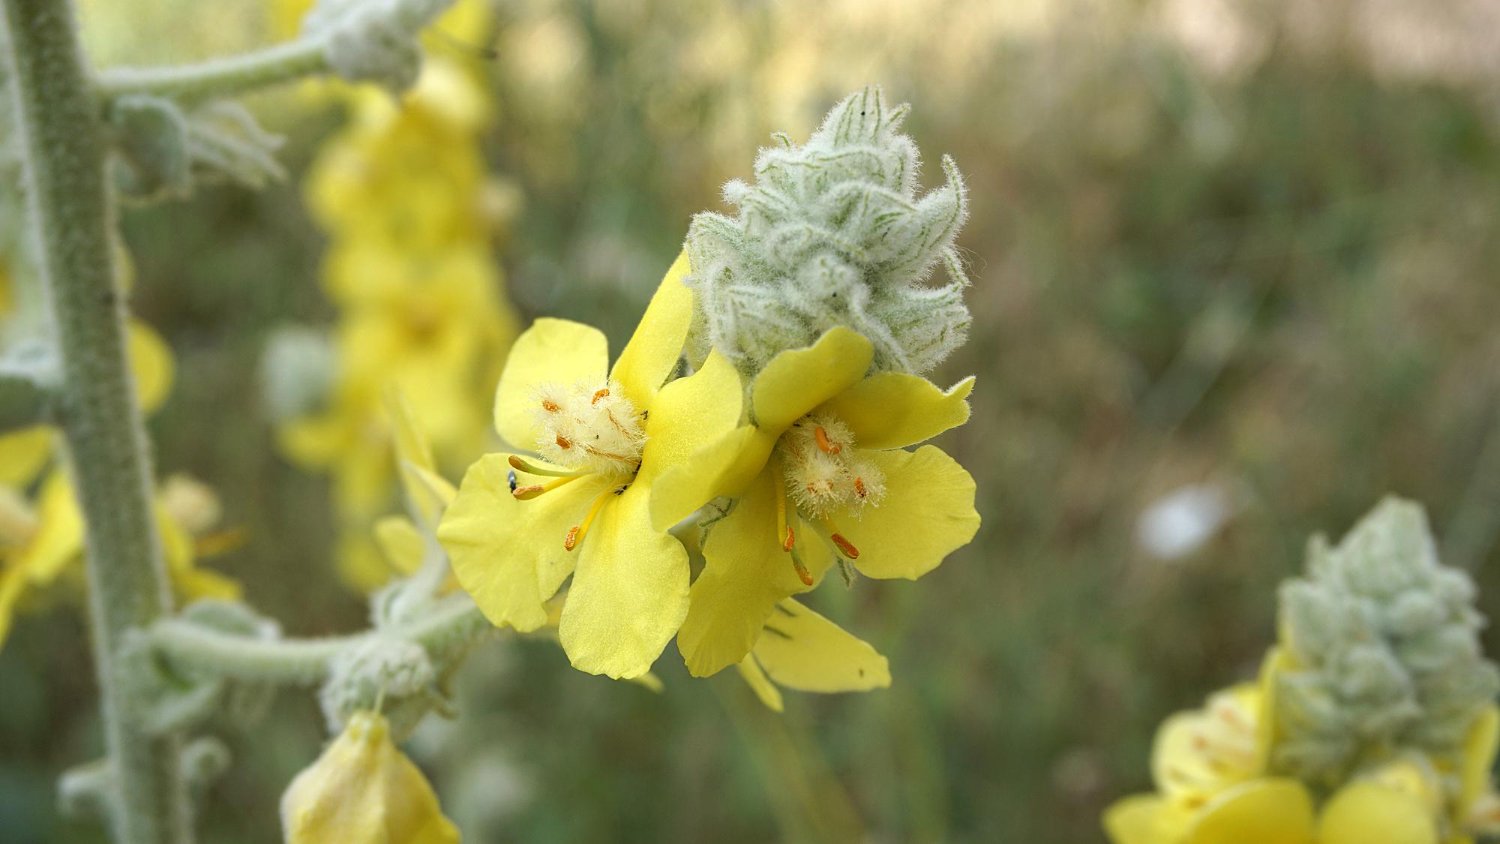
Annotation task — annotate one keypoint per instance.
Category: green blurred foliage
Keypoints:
(1266, 259)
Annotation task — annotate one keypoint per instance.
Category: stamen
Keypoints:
(550, 406)
(859, 488)
(599, 394)
(564, 442)
(821, 435)
(783, 528)
(530, 468)
(526, 493)
(578, 531)
(845, 546)
(802, 573)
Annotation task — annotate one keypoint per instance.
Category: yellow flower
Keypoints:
(1210, 768)
(802, 650)
(521, 525)
(363, 790)
(404, 539)
(822, 469)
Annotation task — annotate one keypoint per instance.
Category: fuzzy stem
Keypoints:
(220, 77)
(58, 122)
(193, 648)
(23, 402)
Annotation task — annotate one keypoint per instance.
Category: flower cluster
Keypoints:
(698, 505)
(1373, 720)
(410, 214)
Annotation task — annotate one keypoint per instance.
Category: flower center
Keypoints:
(822, 472)
(589, 429)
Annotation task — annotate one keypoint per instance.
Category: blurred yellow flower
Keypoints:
(363, 790)
(820, 470)
(605, 435)
(1214, 787)
(403, 194)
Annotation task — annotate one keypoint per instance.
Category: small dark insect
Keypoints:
(512, 478)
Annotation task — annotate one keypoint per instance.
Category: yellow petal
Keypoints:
(1262, 811)
(648, 359)
(1478, 759)
(59, 536)
(508, 554)
(151, 362)
(760, 684)
(746, 574)
(364, 791)
(401, 543)
(895, 410)
(12, 585)
(805, 651)
(927, 513)
(1367, 812)
(23, 454)
(1137, 819)
(629, 592)
(358, 559)
(415, 462)
(797, 381)
(551, 351)
(724, 467)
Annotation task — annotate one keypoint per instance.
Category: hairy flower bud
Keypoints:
(374, 40)
(383, 673)
(1380, 653)
(833, 233)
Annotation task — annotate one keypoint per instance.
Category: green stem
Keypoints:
(58, 122)
(193, 648)
(219, 77)
(23, 402)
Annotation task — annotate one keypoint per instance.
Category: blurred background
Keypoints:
(1234, 280)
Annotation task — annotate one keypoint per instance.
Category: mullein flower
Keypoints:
(364, 790)
(820, 474)
(1370, 722)
(522, 523)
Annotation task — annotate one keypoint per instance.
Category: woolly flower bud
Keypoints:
(364, 789)
(297, 371)
(832, 233)
(374, 40)
(1380, 652)
(393, 674)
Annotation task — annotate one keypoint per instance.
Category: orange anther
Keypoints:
(599, 395)
(845, 547)
(790, 540)
(802, 573)
(859, 487)
(571, 539)
(526, 493)
(550, 406)
(824, 443)
(564, 442)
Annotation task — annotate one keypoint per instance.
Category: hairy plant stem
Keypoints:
(58, 120)
(219, 77)
(192, 648)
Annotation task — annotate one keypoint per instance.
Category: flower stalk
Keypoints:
(64, 150)
(220, 77)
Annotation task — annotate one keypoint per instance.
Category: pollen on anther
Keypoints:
(789, 540)
(824, 444)
(802, 573)
(550, 406)
(563, 442)
(571, 539)
(859, 487)
(845, 546)
(599, 394)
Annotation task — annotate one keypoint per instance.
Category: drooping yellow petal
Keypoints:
(758, 682)
(927, 513)
(895, 410)
(508, 554)
(363, 790)
(629, 592)
(1139, 819)
(1198, 753)
(12, 585)
(1367, 812)
(798, 380)
(648, 359)
(401, 542)
(554, 351)
(23, 453)
(415, 462)
(59, 536)
(1263, 811)
(152, 364)
(805, 651)
(746, 574)
(724, 467)
(1478, 760)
